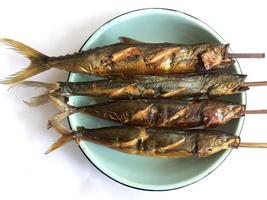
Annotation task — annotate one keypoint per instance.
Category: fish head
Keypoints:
(212, 142)
(215, 57)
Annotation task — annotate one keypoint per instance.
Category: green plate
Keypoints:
(149, 25)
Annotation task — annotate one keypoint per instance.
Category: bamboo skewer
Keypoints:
(255, 84)
(245, 55)
(255, 112)
(252, 145)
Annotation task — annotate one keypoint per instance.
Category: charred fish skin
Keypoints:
(161, 142)
(166, 112)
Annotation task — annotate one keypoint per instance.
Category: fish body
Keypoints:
(160, 142)
(210, 84)
(146, 87)
(157, 112)
(126, 59)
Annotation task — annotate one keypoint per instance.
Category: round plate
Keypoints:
(149, 25)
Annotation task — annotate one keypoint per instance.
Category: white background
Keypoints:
(58, 28)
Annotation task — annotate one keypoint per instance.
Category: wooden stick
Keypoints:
(253, 84)
(245, 55)
(256, 112)
(253, 145)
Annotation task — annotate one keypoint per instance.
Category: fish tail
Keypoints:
(37, 101)
(66, 110)
(37, 84)
(36, 66)
(66, 136)
(41, 99)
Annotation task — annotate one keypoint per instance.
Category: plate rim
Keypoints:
(241, 123)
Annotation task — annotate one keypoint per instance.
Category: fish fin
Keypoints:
(61, 129)
(128, 40)
(66, 136)
(66, 110)
(41, 99)
(37, 101)
(60, 142)
(36, 66)
(37, 84)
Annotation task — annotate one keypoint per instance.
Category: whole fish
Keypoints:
(126, 59)
(157, 113)
(146, 87)
(160, 142)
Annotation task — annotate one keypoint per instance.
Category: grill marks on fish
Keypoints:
(138, 140)
(162, 55)
(171, 146)
(146, 114)
(168, 60)
(143, 90)
(174, 93)
(173, 117)
(183, 115)
(125, 54)
(130, 90)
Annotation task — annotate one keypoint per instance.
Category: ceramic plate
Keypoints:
(149, 25)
